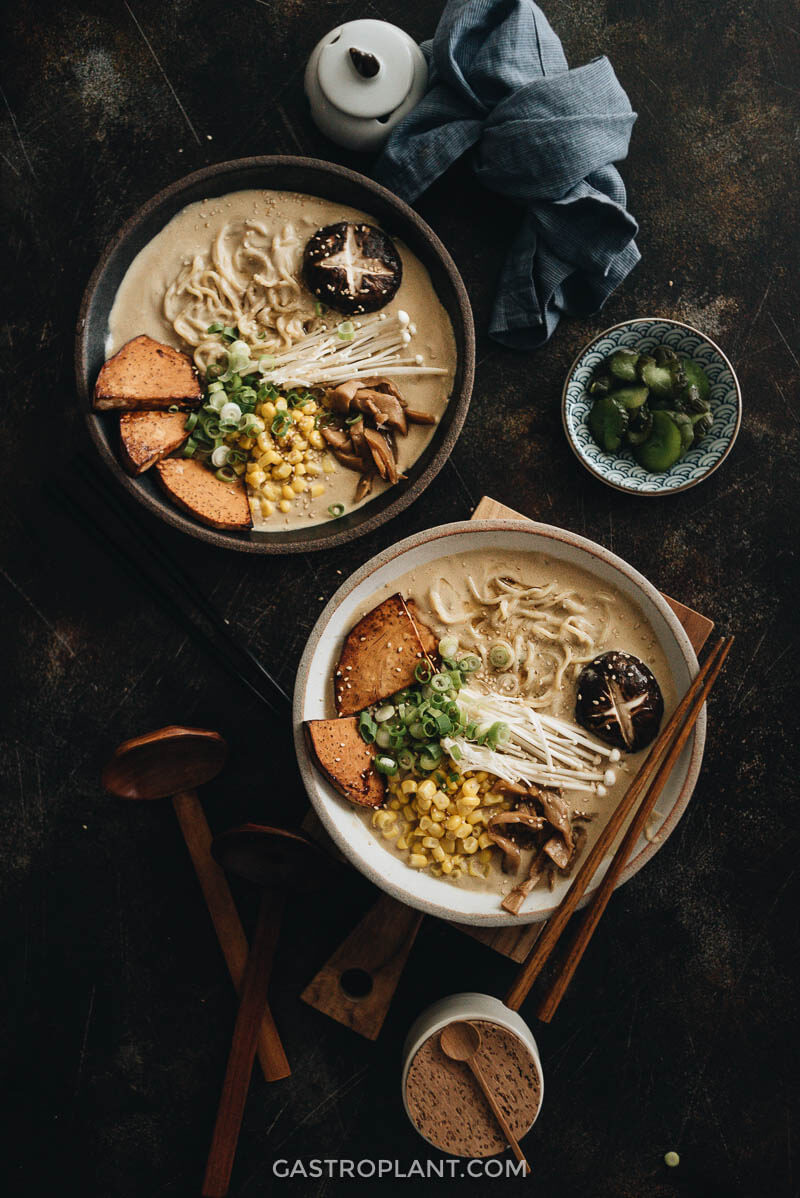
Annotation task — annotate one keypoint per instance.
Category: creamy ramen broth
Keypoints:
(444, 587)
(285, 221)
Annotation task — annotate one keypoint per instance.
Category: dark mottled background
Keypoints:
(680, 1030)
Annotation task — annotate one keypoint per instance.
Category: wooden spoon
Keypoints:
(172, 762)
(461, 1041)
(280, 862)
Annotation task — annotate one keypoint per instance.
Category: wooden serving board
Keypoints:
(375, 952)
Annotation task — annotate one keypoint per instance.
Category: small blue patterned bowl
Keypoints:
(621, 470)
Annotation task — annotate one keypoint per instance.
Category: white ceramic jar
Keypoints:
(471, 1007)
(361, 79)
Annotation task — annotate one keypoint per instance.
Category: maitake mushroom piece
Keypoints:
(362, 447)
(619, 701)
(539, 821)
(353, 268)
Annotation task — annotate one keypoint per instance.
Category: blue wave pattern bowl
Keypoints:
(621, 470)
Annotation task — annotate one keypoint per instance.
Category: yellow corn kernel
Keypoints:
(282, 471)
(457, 871)
(238, 468)
(409, 813)
(491, 800)
(264, 442)
(256, 477)
(313, 468)
(402, 843)
(428, 842)
(268, 410)
(273, 458)
(467, 803)
(441, 800)
(436, 830)
(470, 787)
(426, 823)
(285, 505)
(328, 465)
(475, 817)
(453, 822)
(294, 457)
(317, 490)
(267, 508)
(409, 787)
(300, 444)
(427, 789)
(437, 814)
(309, 408)
(257, 425)
(447, 866)
(463, 831)
(389, 832)
(299, 485)
(470, 845)
(315, 439)
(299, 469)
(475, 869)
(418, 860)
(485, 855)
(280, 404)
(485, 841)
(481, 776)
(395, 804)
(287, 492)
(449, 844)
(437, 852)
(269, 491)
(246, 442)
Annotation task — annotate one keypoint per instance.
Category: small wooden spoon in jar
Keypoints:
(461, 1041)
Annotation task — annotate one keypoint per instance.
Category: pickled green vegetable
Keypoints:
(657, 378)
(631, 397)
(622, 364)
(697, 377)
(639, 426)
(608, 421)
(664, 445)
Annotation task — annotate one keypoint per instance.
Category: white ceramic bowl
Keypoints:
(466, 1006)
(313, 700)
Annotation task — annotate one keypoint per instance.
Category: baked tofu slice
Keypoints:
(346, 760)
(145, 374)
(147, 437)
(380, 655)
(196, 489)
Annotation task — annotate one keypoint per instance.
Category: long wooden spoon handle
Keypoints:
(227, 925)
(498, 1112)
(243, 1048)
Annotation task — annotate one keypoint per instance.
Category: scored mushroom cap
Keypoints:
(619, 701)
(353, 268)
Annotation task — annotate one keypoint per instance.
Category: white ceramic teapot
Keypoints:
(361, 79)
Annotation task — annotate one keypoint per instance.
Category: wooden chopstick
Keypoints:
(539, 954)
(599, 901)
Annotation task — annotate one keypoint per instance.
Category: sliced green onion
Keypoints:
(386, 765)
(336, 510)
(215, 328)
(455, 752)
(384, 713)
(440, 682)
(320, 309)
(448, 647)
(367, 727)
(212, 387)
(383, 738)
(406, 759)
(219, 457)
(226, 475)
(501, 655)
(417, 731)
(427, 763)
(266, 364)
(346, 330)
(191, 421)
(444, 725)
(215, 371)
(190, 448)
(422, 672)
(281, 424)
(469, 663)
(173, 407)
(354, 419)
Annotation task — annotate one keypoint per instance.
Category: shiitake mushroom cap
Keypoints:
(352, 267)
(619, 701)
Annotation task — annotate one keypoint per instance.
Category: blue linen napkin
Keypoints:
(543, 135)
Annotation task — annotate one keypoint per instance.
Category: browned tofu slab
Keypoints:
(145, 374)
(345, 760)
(199, 492)
(380, 655)
(147, 437)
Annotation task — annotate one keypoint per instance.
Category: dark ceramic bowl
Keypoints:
(330, 182)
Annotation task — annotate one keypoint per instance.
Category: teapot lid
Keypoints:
(366, 68)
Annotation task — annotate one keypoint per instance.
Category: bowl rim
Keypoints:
(228, 539)
(650, 494)
(311, 776)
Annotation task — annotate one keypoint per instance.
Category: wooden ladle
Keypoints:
(171, 763)
(461, 1041)
(279, 862)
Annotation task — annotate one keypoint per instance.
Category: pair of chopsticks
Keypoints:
(124, 537)
(670, 743)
